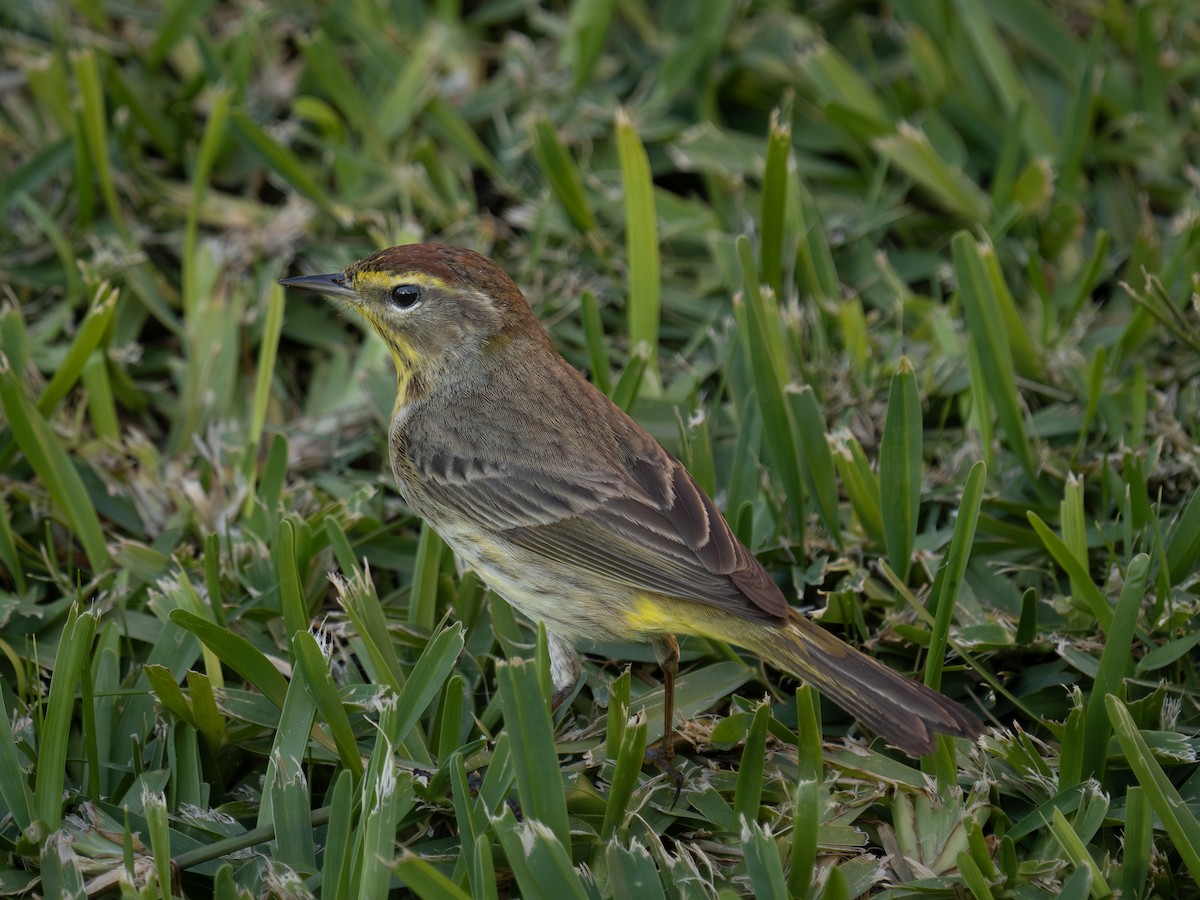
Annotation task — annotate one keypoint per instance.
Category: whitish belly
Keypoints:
(545, 590)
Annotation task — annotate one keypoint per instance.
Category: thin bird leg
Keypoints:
(666, 649)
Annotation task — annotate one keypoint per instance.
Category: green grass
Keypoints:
(949, 244)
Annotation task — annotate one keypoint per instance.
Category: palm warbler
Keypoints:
(568, 508)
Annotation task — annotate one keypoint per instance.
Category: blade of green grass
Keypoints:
(950, 576)
(49, 460)
(237, 653)
(561, 172)
(1078, 854)
(1062, 554)
(473, 826)
(762, 860)
(425, 881)
(1176, 817)
(57, 238)
(911, 151)
(1138, 842)
(210, 145)
(626, 746)
(102, 409)
(838, 82)
(292, 806)
(289, 750)
(14, 790)
(422, 604)
(95, 130)
(597, 343)
(861, 485)
(539, 859)
(818, 459)
(285, 163)
(816, 270)
(990, 338)
(268, 350)
(312, 663)
(1183, 545)
(641, 242)
(774, 196)
(54, 737)
(336, 860)
(625, 391)
(747, 795)
(806, 814)
(1115, 666)
(997, 63)
(428, 675)
(762, 342)
(527, 718)
(291, 593)
(632, 872)
(587, 27)
(900, 468)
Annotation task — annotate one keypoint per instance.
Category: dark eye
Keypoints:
(405, 296)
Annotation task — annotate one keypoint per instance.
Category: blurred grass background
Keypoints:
(909, 286)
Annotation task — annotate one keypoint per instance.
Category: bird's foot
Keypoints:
(661, 755)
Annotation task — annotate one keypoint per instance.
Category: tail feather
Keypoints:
(903, 711)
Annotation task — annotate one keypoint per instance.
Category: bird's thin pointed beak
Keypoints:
(330, 285)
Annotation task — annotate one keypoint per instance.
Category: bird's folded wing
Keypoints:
(653, 530)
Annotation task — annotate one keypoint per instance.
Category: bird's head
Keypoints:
(432, 304)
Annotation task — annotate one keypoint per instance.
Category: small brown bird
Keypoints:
(568, 508)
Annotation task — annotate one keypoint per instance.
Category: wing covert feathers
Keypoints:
(654, 530)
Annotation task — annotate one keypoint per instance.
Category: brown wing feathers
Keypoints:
(715, 546)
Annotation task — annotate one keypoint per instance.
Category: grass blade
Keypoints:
(632, 872)
(14, 790)
(1077, 852)
(641, 242)
(1075, 570)
(1115, 666)
(748, 794)
(1176, 817)
(807, 808)
(425, 881)
(818, 459)
(762, 343)
(92, 331)
(990, 338)
(54, 738)
(237, 653)
(95, 130)
(50, 462)
(900, 469)
(910, 150)
(950, 577)
(422, 604)
(527, 718)
(774, 196)
(587, 26)
(561, 172)
(626, 746)
(538, 859)
(268, 349)
(311, 662)
(206, 158)
(762, 860)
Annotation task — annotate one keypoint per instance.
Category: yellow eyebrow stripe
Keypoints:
(388, 279)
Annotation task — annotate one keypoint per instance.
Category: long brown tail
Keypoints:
(905, 712)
